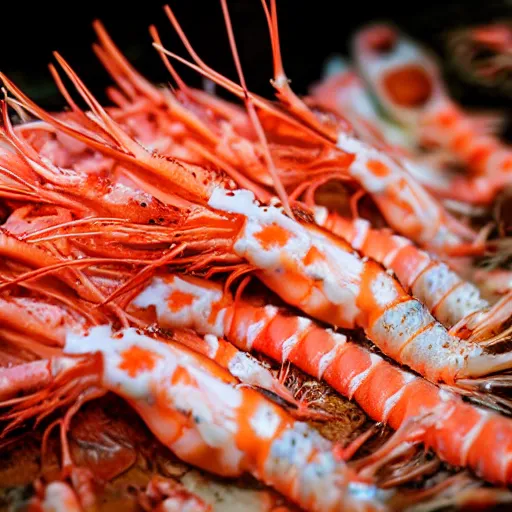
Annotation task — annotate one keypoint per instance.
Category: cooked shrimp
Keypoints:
(331, 283)
(408, 84)
(386, 393)
(324, 277)
(195, 408)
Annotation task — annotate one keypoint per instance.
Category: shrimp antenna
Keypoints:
(84, 262)
(167, 62)
(115, 62)
(88, 122)
(277, 60)
(253, 115)
(281, 82)
(214, 75)
(201, 68)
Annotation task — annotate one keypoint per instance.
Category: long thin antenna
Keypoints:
(281, 192)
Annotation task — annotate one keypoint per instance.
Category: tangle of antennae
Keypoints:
(201, 68)
(254, 116)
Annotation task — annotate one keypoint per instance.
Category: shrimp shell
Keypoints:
(447, 296)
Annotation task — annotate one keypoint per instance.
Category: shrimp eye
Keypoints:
(409, 86)
(382, 40)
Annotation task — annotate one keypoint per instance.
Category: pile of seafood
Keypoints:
(283, 301)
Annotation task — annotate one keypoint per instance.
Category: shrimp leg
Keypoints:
(248, 370)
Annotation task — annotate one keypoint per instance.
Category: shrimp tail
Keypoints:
(404, 463)
(492, 327)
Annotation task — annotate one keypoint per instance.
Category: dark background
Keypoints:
(310, 32)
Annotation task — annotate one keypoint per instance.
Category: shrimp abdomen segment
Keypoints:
(460, 302)
(432, 282)
(497, 466)
(408, 333)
